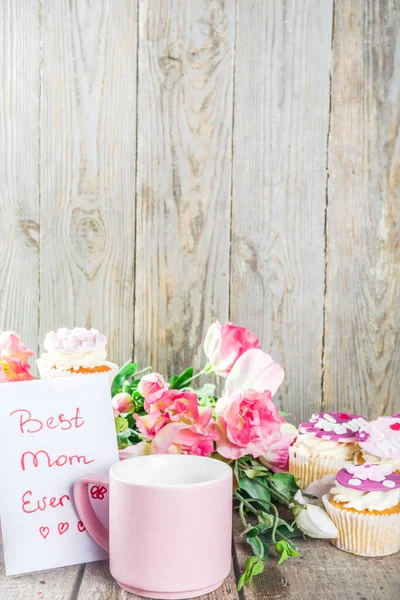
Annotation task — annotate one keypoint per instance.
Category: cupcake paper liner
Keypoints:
(365, 535)
(309, 468)
(50, 373)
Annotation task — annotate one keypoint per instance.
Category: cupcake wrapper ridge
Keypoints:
(309, 468)
(364, 535)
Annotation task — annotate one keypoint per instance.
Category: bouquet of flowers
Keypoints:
(242, 426)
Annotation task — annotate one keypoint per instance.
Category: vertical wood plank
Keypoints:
(88, 148)
(19, 168)
(279, 181)
(184, 176)
(362, 355)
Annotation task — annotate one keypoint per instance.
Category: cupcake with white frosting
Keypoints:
(77, 351)
(326, 442)
(379, 442)
(364, 504)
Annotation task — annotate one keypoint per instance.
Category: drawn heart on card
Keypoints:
(81, 526)
(63, 527)
(44, 532)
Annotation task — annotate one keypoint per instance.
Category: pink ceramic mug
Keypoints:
(170, 523)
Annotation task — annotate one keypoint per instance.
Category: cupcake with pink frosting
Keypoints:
(379, 442)
(364, 504)
(77, 351)
(326, 442)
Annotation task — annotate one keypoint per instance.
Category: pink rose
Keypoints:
(175, 423)
(140, 449)
(277, 455)
(255, 370)
(153, 382)
(122, 403)
(249, 423)
(165, 406)
(161, 444)
(14, 358)
(192, 440)
(185, 439)
(224, 344)
(12, 347)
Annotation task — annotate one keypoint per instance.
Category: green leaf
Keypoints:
(255, 489)
(284, 550)
(284, 414)
(257, 546)
(260, 528)
(207, 390)
(285, 484)
(253, 473)
(121, 424)
(284, 528)
(208, 401)
(242, 581)
(178, 382)
(127, 371)
(267, 520)
(254, 566)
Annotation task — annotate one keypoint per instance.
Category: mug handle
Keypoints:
(85, 511)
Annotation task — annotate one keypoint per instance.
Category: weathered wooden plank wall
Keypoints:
(362, 333)
(168, 162)
(87, 174)
(19, 168)
(279, 183)
(185, 103)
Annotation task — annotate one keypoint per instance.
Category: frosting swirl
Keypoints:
(74, 348)
(310, 445)
(381, 438)
(367, 487)
(360, 500)
(78, 339)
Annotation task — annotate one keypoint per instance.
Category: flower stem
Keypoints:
(143, 371)
(277, 494)
(246, 503)
(275, 525)
(242, 517)
(192, 378)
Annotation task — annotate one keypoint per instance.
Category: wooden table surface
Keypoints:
(321, 573)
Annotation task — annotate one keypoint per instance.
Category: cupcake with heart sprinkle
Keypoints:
(379, 442)
(325, 443)
(77, 351)
(364, 504)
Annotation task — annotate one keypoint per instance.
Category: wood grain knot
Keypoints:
(172, 63)
(31, 231)
(88, 240)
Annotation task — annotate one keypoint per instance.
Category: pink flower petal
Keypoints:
(255, 370)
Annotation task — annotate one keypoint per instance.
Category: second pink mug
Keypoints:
(170, 524)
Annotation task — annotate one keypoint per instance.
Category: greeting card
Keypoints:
(51, 433)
